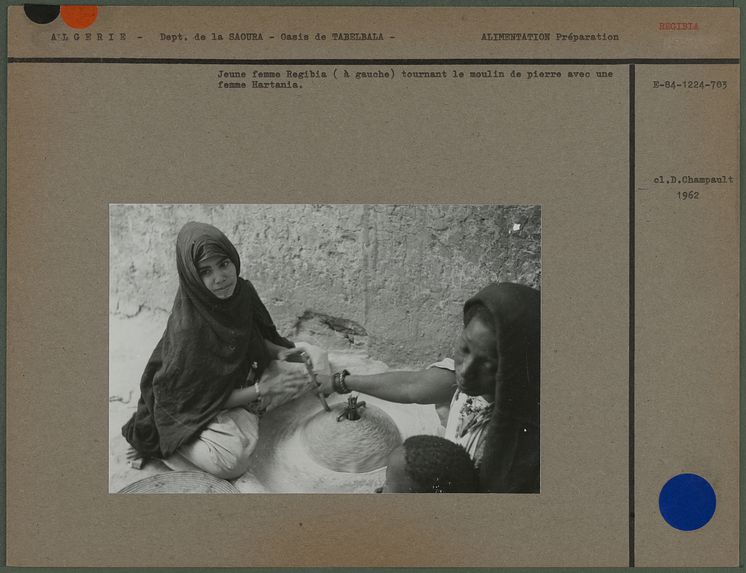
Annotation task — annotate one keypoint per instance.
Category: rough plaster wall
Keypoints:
(401, 272)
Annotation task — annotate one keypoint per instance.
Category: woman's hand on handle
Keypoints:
(326, 383)
(281, 383)
(318, 357)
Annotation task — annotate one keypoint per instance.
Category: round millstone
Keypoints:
(355, 446)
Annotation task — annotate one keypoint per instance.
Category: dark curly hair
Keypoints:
(437, 465)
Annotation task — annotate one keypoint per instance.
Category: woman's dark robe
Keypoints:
(510, 461)
(207, 350)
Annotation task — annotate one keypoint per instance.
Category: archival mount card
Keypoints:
(375, 168)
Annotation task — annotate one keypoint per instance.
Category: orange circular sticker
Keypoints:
(79, 16)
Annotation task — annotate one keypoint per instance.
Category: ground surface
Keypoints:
(281, 461)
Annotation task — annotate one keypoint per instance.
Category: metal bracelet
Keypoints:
(338, 382)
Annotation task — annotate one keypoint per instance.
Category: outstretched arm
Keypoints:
(431, 386)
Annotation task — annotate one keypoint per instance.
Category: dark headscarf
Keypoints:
(510, 461)
(206, 352)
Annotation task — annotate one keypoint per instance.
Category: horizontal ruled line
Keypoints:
(374, 62)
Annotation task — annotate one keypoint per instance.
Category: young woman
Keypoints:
(208, 375)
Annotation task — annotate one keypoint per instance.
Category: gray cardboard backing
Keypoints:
(86, 133)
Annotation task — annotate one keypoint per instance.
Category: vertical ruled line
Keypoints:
(631, 315)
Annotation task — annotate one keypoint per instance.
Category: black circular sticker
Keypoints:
(41, 13)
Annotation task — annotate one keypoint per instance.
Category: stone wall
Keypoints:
(391, 278)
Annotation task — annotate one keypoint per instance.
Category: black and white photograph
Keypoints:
(324, 348)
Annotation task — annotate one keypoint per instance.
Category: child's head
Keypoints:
(430, 464)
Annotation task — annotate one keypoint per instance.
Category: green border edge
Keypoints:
(455, 3)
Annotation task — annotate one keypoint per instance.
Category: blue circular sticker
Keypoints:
(687, 502)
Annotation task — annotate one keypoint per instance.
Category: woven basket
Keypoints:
(180, 482)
